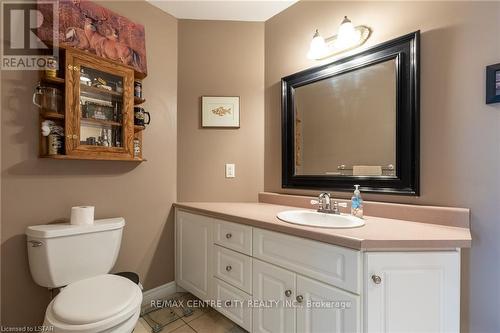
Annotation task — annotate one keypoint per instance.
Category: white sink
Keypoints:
(314, 219)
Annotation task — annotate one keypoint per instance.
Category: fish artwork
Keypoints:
(221, 111)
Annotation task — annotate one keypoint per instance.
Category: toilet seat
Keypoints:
(95, 304)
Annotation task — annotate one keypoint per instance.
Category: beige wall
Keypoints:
(36, 191)
(460, 135)
(220, 58)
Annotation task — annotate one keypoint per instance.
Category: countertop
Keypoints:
(377, 234)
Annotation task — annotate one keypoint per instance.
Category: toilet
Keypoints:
(77, 258)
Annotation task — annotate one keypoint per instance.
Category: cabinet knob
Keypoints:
(229, 235)
(288, 293)
(299, 298)
(70, 67)
(376, 279)
(69, 136)
(228, 268)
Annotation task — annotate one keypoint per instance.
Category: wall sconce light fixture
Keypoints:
(347, 38)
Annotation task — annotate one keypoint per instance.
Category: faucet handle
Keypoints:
(336, 206)
(314, 202)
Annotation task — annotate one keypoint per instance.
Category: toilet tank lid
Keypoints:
(66, 229)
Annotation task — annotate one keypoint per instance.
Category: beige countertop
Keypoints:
(377, 234)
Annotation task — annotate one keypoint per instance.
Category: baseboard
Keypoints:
(160, 292)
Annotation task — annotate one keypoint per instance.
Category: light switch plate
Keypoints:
(230, 170)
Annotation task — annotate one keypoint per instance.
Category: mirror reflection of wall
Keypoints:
(346, 124)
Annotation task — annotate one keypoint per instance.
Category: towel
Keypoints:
(367, 170)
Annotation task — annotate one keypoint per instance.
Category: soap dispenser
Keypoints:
(357, 203)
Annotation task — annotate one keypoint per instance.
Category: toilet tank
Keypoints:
(62, 253)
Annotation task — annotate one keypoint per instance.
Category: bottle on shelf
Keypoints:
(357, 203)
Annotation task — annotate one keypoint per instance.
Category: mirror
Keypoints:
(359, 106)
(355, 121)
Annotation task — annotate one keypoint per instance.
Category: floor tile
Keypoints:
(197, 309)
(173, 326)
(165, 318)
(142, 327)
(214, 322)
(183, 329)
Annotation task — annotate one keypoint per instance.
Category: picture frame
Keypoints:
(220, 112)
(493, 84)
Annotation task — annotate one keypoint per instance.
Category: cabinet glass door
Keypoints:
(102, 122)
(101, 106)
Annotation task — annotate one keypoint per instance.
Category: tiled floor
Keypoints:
(202, 320)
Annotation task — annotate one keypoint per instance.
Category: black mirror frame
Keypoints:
(406, 51)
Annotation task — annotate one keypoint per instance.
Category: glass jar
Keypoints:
(48, 98)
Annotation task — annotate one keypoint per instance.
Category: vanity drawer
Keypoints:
(234, 268)
(234, 236)
(234, 304)
(328, 263)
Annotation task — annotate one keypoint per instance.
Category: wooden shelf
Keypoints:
(93, 158)
(100, 122)
(139, 101)
(51, 115)
(95, 90)
(54, 80)
(138, 128)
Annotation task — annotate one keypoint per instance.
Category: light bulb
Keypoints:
(318, 47)
(348, 35)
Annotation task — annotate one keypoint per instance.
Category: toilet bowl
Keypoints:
(77, 259)
(101, 304)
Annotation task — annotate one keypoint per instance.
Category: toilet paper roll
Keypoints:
(82, 215)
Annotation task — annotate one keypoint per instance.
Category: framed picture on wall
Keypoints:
(220, 111)
(493, 84)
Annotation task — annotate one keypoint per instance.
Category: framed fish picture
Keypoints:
(220, 111)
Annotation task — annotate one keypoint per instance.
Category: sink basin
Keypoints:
(314, 219)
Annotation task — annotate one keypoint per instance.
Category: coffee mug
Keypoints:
(140, 115)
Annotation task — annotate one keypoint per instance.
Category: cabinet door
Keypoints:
(412, 292)
(326, 309)
(99, 108)
(193, 253)
(271, 283)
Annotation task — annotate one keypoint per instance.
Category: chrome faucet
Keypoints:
(325, 204)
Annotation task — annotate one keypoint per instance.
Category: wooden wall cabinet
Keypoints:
(98, 110)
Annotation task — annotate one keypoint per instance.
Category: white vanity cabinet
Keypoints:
(316, 287)
(193, 253)
(412, 292)
(326, 308)
(273, 283)
(306, 305)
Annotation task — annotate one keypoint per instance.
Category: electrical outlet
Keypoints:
(230, 170)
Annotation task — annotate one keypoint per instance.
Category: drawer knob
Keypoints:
(300, 298)
(376, 279)
(228, 268)
(288, 293)
(228, 235)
